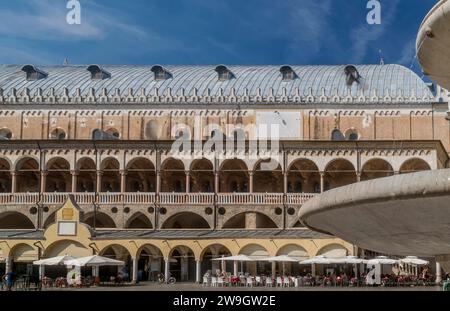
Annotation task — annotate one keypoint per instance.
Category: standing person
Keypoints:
(9, 280)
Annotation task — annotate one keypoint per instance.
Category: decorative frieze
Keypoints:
(101, 96)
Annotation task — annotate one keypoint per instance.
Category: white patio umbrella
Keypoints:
(235, 258)
(55, 261)
(94, 261)
(413, 260)
(283, 259)
(382, 260)
(318, 260)
(353, 260)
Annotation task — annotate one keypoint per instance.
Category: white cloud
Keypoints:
(21, 56)
(46, 20)
(365, 34)
(408, 53)
(309, 21)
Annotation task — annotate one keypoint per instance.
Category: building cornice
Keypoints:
(102, 98)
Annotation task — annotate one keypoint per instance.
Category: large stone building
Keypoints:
(109, 138)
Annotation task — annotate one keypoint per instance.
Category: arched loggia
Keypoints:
(28, 176)
(339, 173)
(304, 177)
(234, 176)
(268, 177)
(141, 176)
(202, 176)
(58, 178)
(5, 176)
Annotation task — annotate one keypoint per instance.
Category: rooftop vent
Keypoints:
(352, 75)
(98, 73)
(225, 74)
(287, 73)
(161, 73)
(34, 73)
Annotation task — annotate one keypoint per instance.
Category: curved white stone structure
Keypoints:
(400, 215)
(433, 44)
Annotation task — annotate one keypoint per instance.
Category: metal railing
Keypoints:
(162, 198)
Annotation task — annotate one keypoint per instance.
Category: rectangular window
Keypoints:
(67, 228)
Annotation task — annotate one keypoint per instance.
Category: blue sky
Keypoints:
(210, 32)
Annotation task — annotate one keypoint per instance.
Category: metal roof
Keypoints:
(21, 235)
(209, 234)
(382, 80)
(175, 234)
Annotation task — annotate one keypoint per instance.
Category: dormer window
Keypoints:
(58, 134)
(5, 134)
(224, 73)
(34, 73)
(161, 73)
(352, 75)
(287, 73)
(98, 73)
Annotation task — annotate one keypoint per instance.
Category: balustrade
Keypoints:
(163, 198)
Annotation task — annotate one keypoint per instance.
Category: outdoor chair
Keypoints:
(213, 281)
(205, 281)
(286, 281)
(258, 281)
(307, 281)
(220, 282)
(242, 281)
(269, 282)
(249, 282)
(279, 281)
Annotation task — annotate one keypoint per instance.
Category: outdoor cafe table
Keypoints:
(234, 280)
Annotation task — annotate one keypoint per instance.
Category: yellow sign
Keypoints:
(67, 214)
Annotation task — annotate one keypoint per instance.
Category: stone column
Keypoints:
(188, 182)
(184, 269)
(251, 174)
(313, 270)
(223, 265)
(99, 182)
(274, 269)
(216, 182)
(438, 273)
(74, 180)
(94, 272)
(198, 271)
(8, 264)
(13, 182)
(43, 180)
(322, 182)
(158, 182)
(358, 176)
(285, 182)
(166, 268)
(41, 272)
(123, 181)
(135, 271)
(235, 268)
